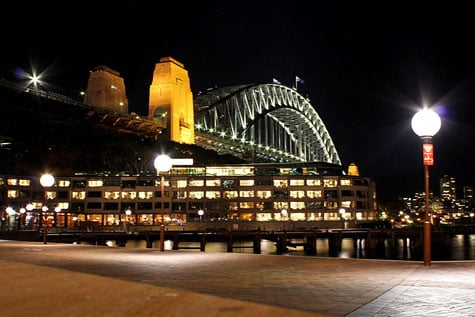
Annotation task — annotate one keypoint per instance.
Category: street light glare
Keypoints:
(426, 123)
(163, 163)
(47, 180)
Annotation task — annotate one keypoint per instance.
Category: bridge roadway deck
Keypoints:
(58, 279)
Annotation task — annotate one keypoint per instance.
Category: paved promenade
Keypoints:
(85, 280)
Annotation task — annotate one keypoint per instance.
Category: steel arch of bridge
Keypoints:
(262, 122)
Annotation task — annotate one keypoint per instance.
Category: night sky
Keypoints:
(366, 68)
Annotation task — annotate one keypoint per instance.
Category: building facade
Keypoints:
(316, 192)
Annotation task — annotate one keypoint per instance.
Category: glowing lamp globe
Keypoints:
(163, 163)
(47, 180)
(426, 123)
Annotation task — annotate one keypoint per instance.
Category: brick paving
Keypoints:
(71, 280)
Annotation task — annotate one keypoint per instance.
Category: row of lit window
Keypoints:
(328, 182)
(149, 219)
(265, 194)
(293, 205)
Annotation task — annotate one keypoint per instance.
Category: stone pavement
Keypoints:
(85, 280)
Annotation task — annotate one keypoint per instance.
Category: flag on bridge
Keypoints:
(297, 81)
(275, 81)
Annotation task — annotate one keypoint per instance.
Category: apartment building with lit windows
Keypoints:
(316, 192)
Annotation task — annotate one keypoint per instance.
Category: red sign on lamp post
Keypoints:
(428, 153)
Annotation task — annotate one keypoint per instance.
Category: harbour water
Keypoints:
(461, 247)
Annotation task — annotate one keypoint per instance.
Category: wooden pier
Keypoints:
(368, 239)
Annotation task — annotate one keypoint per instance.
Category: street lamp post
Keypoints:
(22, 218)
(284, 214)
(46, 180)
(57, 210)
(30, 216)
(11, 218)
(163, 164)
(342, 213)
(426, 123)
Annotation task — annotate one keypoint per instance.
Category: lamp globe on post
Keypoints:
(46, 180)
(284, 214)
(29, 216)
(201, 213)
(342, 213)
(426, 123)
(162, 163)
(22, 217)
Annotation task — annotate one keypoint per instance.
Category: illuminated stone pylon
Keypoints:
(106, 89)
(171, 100)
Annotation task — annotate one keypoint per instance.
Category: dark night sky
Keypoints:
(366, 67)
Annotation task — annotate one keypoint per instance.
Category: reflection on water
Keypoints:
(461, 247)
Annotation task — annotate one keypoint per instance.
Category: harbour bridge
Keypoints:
(256, 122)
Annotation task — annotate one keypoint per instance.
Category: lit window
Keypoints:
(213, 195)
(279, 205)
(195, 182)
(345, 182)
(229, 171)
(64, 183)
(330, 182)
(294, 205)
(78, 195)
(314, 182)
(264, 194)
(63, 205)
(111, 195)
(230, 194)
(314, 193)
(129, 195)
(12, 181)
(297, 194)
(12, 194)
(181, 183)
(330, 204)
(297, 182)
(145, 195)
(280, 183)
(196, 195)
(50, 195)
(95, 183)
(285, 170)
(246, 205)
(246, 182)
(213, 182)
(246, 193)
(347, 204)
(24, 182)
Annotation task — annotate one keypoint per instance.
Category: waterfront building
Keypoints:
(317, 192)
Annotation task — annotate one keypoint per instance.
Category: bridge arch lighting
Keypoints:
(274, 116)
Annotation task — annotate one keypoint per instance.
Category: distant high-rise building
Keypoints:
(106, 89)
(447, 188)
(468, 192)
(171, 100)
